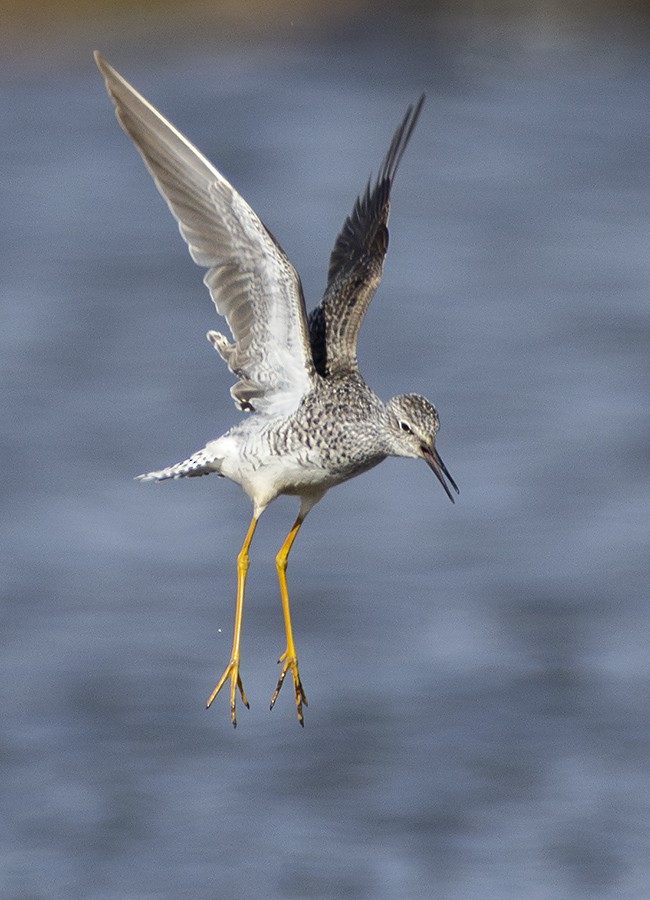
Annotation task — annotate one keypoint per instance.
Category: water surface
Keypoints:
(477, 674)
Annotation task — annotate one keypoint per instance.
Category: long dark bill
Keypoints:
(439, 469)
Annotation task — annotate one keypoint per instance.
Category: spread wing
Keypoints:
(251, 281)
(356, 264)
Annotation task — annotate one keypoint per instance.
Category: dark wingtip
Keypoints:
(400, 141)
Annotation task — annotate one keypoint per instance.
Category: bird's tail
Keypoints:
(200, 463)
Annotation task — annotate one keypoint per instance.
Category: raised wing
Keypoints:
(251, 281)
(356, 264)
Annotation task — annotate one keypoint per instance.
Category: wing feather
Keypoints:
(356, 263)
(252, 282)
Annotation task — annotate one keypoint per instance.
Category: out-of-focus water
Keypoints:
(477, 675)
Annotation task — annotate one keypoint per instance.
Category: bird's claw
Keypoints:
(232, 673)
(290, 664)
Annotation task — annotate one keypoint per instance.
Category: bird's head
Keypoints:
(413, 423)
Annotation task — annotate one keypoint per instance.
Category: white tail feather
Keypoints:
(200, 463)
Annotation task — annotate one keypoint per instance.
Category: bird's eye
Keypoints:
(405, 427)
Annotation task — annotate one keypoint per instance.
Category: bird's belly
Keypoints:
(264, 472)
(300, 475)
(288, 475)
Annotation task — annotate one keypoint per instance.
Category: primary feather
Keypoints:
(252, 282)
(357, 263)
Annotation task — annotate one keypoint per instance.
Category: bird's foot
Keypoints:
(290, 664)
(232, 673)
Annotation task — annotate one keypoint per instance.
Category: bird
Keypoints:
(312, 421)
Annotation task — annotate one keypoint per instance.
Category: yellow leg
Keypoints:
(232, 671)
(289, 658)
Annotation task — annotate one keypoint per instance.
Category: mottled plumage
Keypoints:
(313, 421)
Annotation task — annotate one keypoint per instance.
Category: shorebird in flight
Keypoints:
(313, 421)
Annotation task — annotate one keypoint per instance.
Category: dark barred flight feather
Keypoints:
(356, 264)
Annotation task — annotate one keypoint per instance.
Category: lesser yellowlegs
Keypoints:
(314, 422)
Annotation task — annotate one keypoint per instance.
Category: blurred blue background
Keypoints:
(477, 675)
